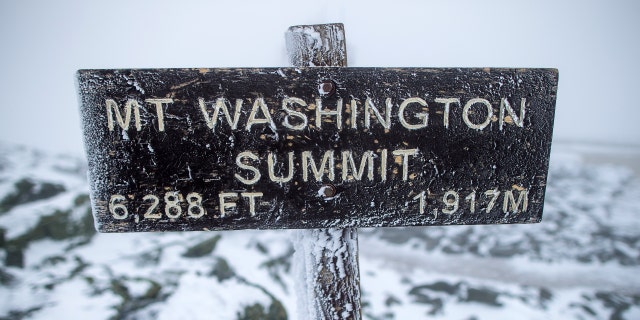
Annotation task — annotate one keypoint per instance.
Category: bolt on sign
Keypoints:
(269, 148)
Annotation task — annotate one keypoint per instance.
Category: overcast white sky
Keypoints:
(594, 44)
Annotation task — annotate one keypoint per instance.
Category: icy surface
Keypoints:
(581, 262)
(323, 261)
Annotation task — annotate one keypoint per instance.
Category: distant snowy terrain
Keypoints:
(581, 262)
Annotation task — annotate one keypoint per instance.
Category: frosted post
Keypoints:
(325, 260)
(321, 45)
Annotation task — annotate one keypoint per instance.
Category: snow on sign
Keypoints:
(219, 149)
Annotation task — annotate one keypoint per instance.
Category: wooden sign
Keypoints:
(220, 149)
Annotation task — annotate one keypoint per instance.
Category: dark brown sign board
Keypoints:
(272, 148)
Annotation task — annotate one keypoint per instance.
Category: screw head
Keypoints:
(327, 191)
(327, 88)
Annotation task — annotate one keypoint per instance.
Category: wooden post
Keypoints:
(321, 45)
(326, 259)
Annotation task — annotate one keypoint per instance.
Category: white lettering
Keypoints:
(472, 201)
(405, 160)
(251, 196)
(117, 207)
(318, 172)
(354, 114)
(149, 214)
(523, 198)
(349, 162)
(422, 197)
(158, 103)
(447, 103)
(467, 107)
(320, 112)
(195, 209)
(271, 165)
(259, 103)
(383, 165)
(242, 165)
(224, 205)
(421, 115)
(112, 105)
(519, 121)
(221, 103)
(413, 113)
(386, 122)
(494, 196)
(451, 204)
(172, 208)
(292, 113)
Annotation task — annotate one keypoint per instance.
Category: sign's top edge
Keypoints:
(487, 69)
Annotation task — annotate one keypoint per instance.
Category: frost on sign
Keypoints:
(217, 149)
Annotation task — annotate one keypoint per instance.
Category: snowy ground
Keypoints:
(581, 262)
